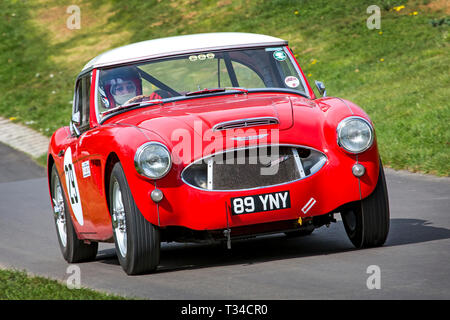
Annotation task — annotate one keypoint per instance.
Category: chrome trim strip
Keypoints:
(97, 79)
(297, 69)
(298, 162)
(317, 166)
(245, 123)
(251, 147)
(210, 174)
(248, 138)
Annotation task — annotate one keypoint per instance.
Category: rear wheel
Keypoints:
(72, 249)
(137, 240)
(367, 224)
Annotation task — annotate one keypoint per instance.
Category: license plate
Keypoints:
(261, 202)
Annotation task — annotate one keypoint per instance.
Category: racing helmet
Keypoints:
(118, 85)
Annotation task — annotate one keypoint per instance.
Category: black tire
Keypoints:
(72, 249)
(367, 224)
(142, 243)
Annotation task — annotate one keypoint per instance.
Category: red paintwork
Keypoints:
(303, 122)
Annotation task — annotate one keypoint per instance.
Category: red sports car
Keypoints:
(208, 137)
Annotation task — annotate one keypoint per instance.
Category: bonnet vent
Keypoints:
(244, 123)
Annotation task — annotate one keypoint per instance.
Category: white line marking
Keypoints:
(309, 205)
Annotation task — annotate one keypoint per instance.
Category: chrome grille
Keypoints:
(253, 167)
(244, 123)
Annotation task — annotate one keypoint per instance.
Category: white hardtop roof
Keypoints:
(179, 45)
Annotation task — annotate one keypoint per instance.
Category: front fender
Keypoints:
(335, 110)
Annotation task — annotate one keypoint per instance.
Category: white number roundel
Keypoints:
(72, 186)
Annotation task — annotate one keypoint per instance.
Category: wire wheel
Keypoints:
(73, 249)
(137, 241)
(119, 219)
(59, 211)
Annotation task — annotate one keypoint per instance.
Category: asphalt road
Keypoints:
(414, 263)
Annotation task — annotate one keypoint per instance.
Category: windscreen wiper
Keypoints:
(214, 90)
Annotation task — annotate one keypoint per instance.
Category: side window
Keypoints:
(81, 105)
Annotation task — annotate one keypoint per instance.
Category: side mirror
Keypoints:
(74, 122)
(321, 87)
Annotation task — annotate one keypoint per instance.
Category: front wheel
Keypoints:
(72, 249)
(367, 223)
(137, 241)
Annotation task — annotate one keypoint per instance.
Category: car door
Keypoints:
(89, 166)
(79, 191)
(70, 165)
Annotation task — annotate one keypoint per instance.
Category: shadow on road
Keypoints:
(410, 231)
(179, 256)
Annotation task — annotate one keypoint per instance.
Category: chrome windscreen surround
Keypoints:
(253, 167)
(245, 123)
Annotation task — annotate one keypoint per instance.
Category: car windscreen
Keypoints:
(197, 73)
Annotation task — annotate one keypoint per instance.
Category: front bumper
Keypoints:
(331, 187)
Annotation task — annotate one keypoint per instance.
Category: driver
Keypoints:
(119, 85)
(122, 90)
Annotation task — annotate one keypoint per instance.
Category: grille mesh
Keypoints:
(260, 173)
(253, 167)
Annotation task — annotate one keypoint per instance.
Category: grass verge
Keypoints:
(18, 285)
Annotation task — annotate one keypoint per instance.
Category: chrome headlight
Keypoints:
(152, 160)
(355, 134)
